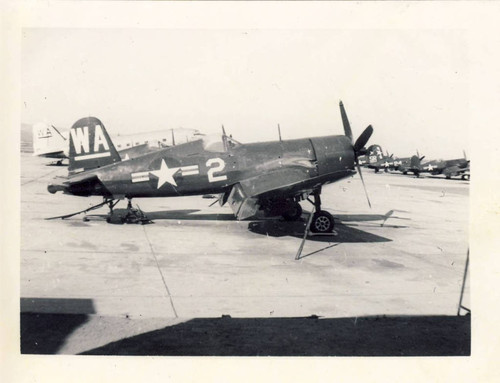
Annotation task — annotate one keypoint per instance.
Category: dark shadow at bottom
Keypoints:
(46, 333)
(364, 336)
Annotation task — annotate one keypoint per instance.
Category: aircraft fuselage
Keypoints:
(190, 169)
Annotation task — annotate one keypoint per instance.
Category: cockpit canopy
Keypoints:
(218, 143)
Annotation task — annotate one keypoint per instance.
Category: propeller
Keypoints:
(357, 146)
(345, 121)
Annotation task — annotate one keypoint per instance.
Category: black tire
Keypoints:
(322, 222)
(294, 213)
(405, 173)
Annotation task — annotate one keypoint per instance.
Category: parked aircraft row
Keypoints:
(375, 159)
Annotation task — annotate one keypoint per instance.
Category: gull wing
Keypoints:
(285, 181)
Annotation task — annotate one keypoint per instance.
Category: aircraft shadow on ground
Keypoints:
(183, 215)
(190, 215)
(345, 233)
(296, 336)
(457, 178)
(46, 333)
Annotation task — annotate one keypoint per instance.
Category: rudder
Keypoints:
(90, 146)
(48, 141)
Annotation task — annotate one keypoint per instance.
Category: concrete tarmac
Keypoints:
(405, 256)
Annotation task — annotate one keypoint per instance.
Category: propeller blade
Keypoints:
(465, 156)
(345, 122)
(363, 139)
(363, 182)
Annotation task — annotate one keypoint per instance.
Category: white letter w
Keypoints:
(80, 138)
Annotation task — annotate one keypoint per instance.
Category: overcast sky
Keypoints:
(411, 85)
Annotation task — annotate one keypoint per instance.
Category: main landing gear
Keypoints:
(322, 222)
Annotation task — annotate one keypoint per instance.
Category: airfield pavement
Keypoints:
(198, 282)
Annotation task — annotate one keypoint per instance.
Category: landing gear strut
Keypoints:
(322, 221)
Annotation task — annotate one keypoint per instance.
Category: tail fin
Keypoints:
(90, 146)
(48, 141)
(375, 153)
(415, 162)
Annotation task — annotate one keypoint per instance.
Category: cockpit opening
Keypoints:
(218, 143)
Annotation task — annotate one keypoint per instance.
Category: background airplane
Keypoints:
(448, 168)
(408, 164)
(377, 160)
(49, 142)
(271, 177)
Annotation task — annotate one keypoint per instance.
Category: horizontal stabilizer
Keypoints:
(81, 185)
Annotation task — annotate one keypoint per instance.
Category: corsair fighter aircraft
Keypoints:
(270, 176)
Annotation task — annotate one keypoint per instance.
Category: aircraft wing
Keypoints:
(280, 182)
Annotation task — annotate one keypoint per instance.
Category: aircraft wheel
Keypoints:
(322, 222)
(294, 213)
(405, 173)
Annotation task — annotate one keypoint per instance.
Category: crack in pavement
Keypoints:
(161, 274)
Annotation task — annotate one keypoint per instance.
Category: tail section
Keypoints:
(375, 154)
(48, 141)
(415, 162)
(90, 146)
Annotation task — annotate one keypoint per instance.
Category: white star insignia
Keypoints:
(165, 174)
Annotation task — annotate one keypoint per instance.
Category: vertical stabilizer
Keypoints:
(90, 146)
(48, 141)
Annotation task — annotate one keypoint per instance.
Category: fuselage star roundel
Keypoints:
(271, 177)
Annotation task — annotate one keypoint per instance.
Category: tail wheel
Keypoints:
(294, 213)
(322, 222)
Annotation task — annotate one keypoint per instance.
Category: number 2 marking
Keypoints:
(220, 165)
